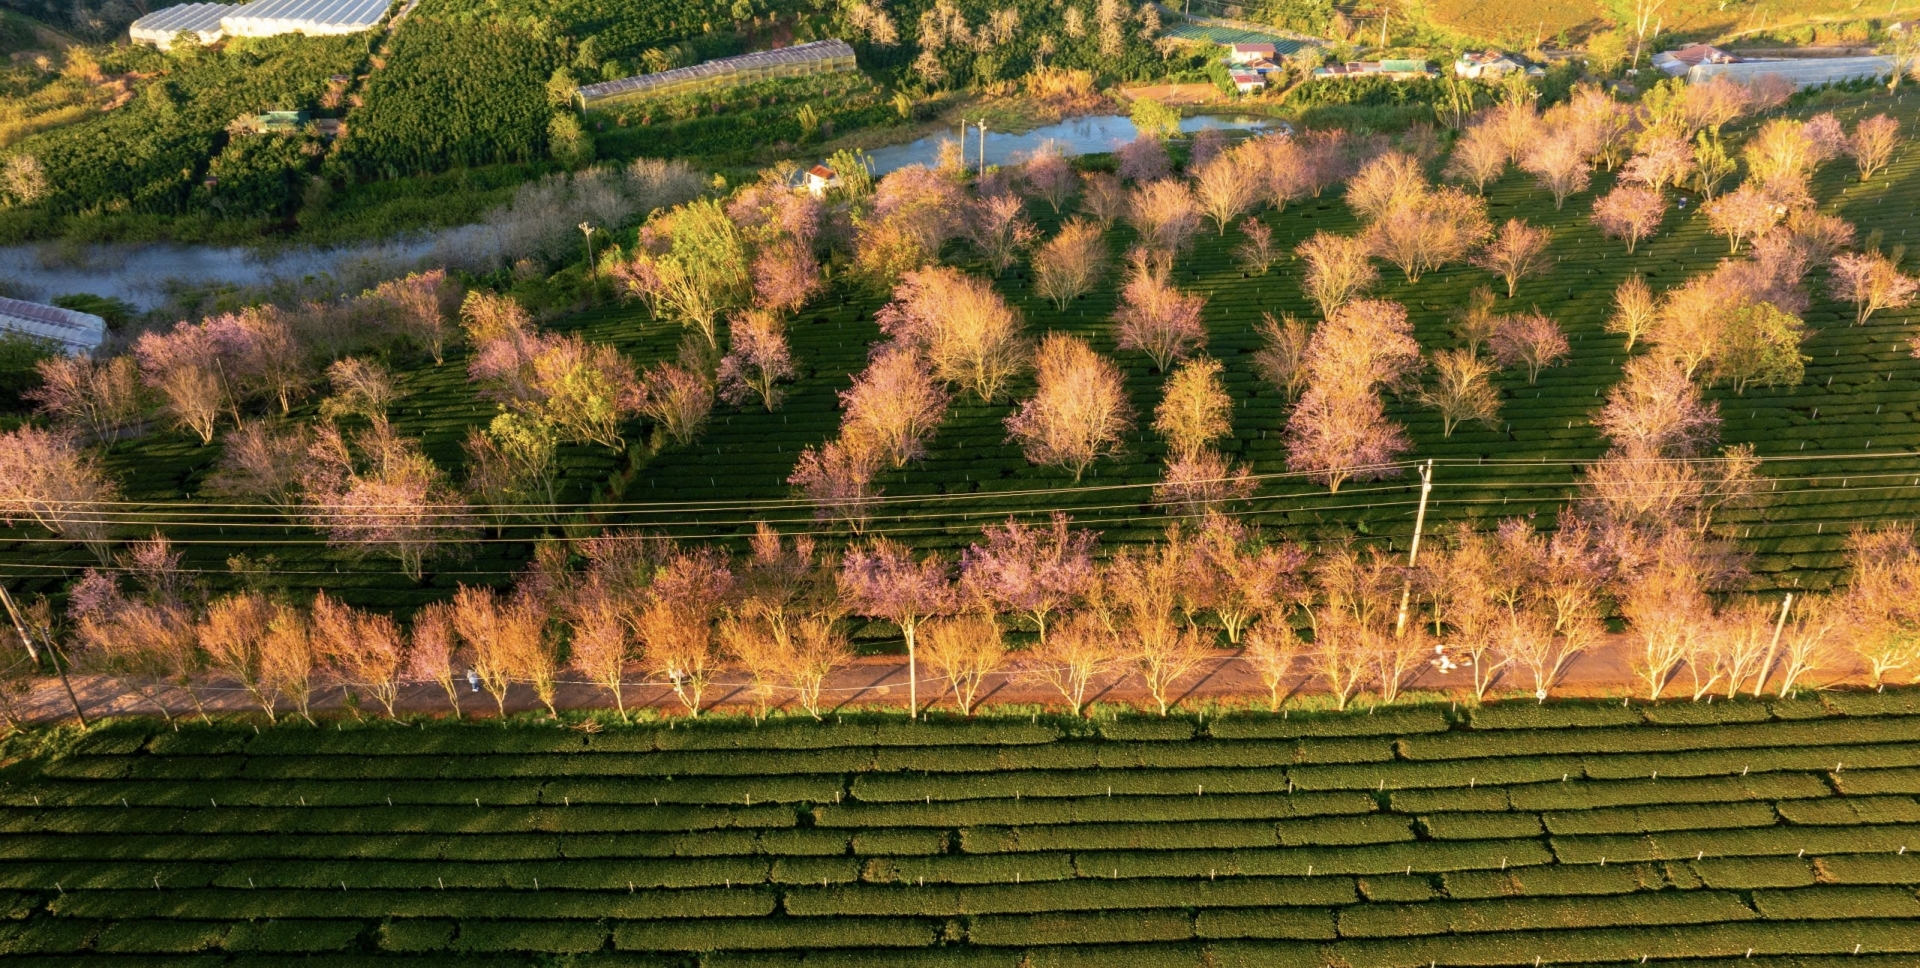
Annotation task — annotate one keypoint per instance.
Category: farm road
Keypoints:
(875, 681)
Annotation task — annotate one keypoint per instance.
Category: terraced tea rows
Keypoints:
(1507, 835)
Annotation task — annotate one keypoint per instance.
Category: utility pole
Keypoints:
(983, 147)
(33, 651)
(1767, 666)
(34, 654)
(1413, 551)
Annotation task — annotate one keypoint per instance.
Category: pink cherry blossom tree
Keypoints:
(886, 581)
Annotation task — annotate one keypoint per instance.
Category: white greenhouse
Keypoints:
(1803, 72)
(162, 26)
(315, 18)
(816, 57)
(77, 332)
(262, 18)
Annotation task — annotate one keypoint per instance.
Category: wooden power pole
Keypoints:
(1413, 550)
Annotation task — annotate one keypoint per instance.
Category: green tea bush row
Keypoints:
(1686, 845)
(1656, 819)
(1554, 881)
(1391, 721)
(1596, 794)
(1085, 894)
(1430, 857)
(1835, 903)
(1101, 809)
(1479, 826)
(895, 788)
(1758, 760)
(1077, 928)
(775, 933)
(1850, 810)
(1460, 745)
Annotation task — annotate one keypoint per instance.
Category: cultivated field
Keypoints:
(1843, 439)
(1507, 835)
(1839, 445)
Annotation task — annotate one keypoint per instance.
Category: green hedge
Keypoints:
(1835, 903)
(1099, 809)
(1527, 914)
(542, 936)
(1560, 715)
(1644, 820)
(1390, 721)
(1553, 881)
(293, 935)
(1480, 826)
(1590, 795)
(1079, 928)
(774, 933)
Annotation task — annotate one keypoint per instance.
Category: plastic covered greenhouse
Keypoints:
(262, 18)
(818, 57)
(199, 19)
(1803, 72)
(76, 332)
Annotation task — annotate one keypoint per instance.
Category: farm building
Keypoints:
(78, 332)
(1247, 82)
(262, 18)
(1803, 72)
(1396, 69)
(821, 180)
(1490, 64)
(1674, 63)
(1248, 53)
(272, 122)
(818, 57)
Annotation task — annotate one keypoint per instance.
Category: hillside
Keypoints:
(1835, 445)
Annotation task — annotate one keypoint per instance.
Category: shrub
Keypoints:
(416, 935)
(1747, 873)
(293, 935)
(1524, 715)
(1093, 927)
(1835, 903)
(1382, 722)
(1480, 826)
(1584, 795)
(1554, 881)
(1652, 819)
(768, 933)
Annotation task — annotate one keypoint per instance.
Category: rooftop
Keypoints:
(745, 63)
(78, 332)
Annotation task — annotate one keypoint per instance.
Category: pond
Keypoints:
(1079, 136)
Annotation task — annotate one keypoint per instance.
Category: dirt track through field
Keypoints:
(881, 681)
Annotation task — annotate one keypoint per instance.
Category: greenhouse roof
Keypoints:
(287, 16)
(758, 60)
(196, 18)
(1803, 72)
(78, 332)
(262, 18)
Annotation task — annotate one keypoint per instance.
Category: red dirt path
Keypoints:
(880, 681)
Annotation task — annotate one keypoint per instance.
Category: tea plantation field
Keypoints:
(1840, 447)
(1507, 835)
